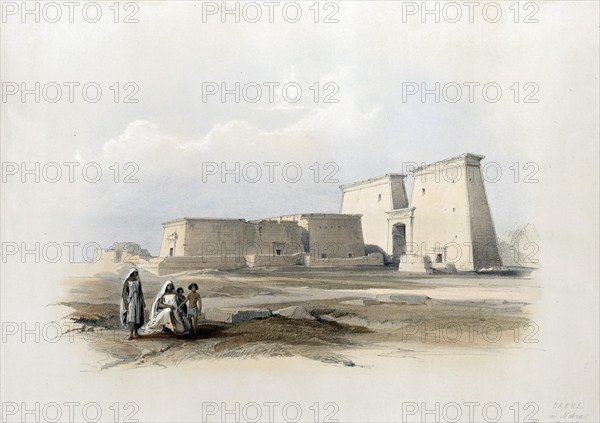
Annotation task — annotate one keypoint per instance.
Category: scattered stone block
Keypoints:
(237, 315)
(362, 302)
(409, 299)
(294, 312)
(449, 268)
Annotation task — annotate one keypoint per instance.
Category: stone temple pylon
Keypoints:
(452, 219)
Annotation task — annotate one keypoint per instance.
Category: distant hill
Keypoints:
(520, 247)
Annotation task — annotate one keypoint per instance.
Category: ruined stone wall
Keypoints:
(217, 237)
(335, 236)
(170, 265)
(283, 241)
(374, 259)
(279, 238)
(275, 261)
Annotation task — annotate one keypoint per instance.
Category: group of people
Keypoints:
(171, 309)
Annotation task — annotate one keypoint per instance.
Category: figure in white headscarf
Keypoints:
(164, 313)
(132, 303)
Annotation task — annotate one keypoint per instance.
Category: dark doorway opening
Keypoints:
(399, 240)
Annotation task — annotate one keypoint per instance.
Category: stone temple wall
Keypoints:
(201, 243)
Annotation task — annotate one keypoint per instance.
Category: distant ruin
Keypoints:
(446, 226)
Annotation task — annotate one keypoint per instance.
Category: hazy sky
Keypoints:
(171, 54)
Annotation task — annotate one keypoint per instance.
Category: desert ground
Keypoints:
(333, 311)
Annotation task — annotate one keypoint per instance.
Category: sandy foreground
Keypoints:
(353, 316)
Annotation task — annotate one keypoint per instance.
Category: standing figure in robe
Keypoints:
(132, 303)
